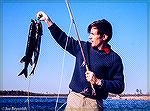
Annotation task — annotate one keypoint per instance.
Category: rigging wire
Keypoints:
(84, 60)
(62, 69)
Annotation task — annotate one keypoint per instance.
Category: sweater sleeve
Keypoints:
(116, 82)
(61, 38)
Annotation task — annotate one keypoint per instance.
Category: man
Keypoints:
(105, 74)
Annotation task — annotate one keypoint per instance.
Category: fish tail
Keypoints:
(24, 71)
(32, 72)
(33, 69)
(23, 59)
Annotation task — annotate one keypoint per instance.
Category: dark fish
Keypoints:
(37, 45)
(33, 46)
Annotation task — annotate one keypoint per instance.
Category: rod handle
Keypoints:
(87, 68)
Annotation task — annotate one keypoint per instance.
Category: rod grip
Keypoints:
(86, 66)
(93, 90)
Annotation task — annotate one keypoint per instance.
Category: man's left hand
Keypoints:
(90, 76)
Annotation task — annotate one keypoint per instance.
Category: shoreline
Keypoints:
(113, 98)
(33, 96)
(132, 98)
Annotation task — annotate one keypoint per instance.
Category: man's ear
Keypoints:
(105, 37)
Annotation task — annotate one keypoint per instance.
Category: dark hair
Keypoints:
(103, 26)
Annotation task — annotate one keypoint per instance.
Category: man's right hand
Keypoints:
(43, 17)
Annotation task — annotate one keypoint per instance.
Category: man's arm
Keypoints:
(60, 36)
(43, 17)
(114, 85)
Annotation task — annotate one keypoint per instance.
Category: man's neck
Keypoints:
(102, 46)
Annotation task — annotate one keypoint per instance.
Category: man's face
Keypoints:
(95, 38)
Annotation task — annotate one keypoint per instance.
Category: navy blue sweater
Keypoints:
(108, 67)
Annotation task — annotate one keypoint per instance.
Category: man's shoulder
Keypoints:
(115, 55)
(86, 44)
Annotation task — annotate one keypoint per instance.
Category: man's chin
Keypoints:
(92, 45)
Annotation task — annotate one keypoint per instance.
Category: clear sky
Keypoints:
(130, 36)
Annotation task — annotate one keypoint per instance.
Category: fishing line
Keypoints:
(62, 69)
(29, 83)
(28, 99)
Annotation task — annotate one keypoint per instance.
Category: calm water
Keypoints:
(21, 103)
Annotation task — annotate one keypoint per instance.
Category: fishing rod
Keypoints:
(76, 31)
(79, 41)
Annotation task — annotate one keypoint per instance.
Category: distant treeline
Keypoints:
(123, 95)
(25, 93)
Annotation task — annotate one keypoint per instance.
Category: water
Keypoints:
(48, 104)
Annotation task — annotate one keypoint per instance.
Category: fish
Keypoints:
(32, 48)
(39, 33)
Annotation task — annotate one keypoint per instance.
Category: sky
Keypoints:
(130, 41)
